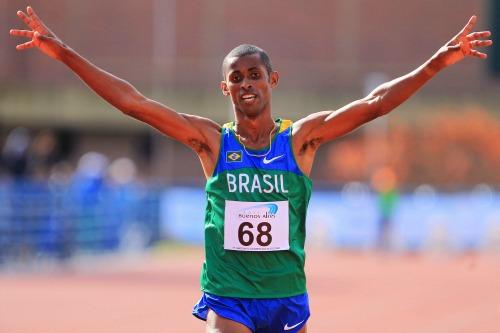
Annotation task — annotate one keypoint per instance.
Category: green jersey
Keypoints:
(255, 220)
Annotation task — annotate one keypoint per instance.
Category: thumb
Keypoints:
(42, 38)
(47, 44)
(456, 47)
(39, 36)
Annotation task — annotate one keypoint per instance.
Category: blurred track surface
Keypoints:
(350, 293)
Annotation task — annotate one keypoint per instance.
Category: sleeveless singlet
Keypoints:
(255, 220)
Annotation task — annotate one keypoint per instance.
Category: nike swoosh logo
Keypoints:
(287, 328)
(266, 161)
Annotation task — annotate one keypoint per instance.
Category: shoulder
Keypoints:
(209, 132)
(303, 127)
(303, 134)
(202, 122)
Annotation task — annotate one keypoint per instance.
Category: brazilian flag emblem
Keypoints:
(233, 156)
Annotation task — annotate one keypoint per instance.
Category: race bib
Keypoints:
(256, 226)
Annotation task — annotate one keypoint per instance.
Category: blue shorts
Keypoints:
(260, 315)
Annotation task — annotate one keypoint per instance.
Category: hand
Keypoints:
(464, 44)
(41, 36)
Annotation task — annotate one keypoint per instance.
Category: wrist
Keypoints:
(434, 65)
(65, 53)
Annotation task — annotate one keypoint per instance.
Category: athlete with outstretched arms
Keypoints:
(257, 171)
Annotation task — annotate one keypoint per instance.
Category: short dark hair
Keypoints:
(248, 49)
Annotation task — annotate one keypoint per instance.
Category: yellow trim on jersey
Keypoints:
(284, 125)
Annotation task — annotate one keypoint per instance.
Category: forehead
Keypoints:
(243, 63)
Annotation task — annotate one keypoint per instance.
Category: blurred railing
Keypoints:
(43, 220)
(39, 219)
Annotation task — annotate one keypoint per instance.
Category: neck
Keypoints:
(254, 126)
(254, 131)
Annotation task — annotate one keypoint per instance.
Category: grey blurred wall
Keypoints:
(319, 45)
(172, 50)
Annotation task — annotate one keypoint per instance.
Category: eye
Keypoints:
(235, 78)
(255, 75)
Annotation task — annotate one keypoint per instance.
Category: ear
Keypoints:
(224, 88)
(274, 78)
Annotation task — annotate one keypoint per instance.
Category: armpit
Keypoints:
(199, 146)
(310, 145)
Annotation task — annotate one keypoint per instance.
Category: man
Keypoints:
(257, 172)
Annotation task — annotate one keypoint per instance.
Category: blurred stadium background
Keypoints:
(79, 177)
(80, 182)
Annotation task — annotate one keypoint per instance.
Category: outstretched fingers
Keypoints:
(466, 42)
(31, 13)
(24, 18)
(24, 33)
(481, 43)
(468, 27)
(36, 38)
(31, 19)
(27, 45)
(33, 16)
(478, 35)
(21, 33)
(37, 23)
(478, 54)
(476, 40)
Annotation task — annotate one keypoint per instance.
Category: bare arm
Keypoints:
(321, 127)
(190, 130)
(200, 134)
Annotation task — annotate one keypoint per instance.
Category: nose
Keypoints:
(246, 84)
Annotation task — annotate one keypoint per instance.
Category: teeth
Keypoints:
(247, 96)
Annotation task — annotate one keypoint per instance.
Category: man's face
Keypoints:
(248, 84)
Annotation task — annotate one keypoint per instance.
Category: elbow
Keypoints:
(131, 105)
(379, 106)
(383, 110)
(376, 107)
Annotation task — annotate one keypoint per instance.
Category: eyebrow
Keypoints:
(250, 69)
(237, 71)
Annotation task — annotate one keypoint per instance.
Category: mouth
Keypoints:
(248, 98)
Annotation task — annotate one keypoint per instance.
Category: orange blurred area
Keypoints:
(451, 149)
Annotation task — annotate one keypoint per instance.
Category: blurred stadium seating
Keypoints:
(43, 219)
